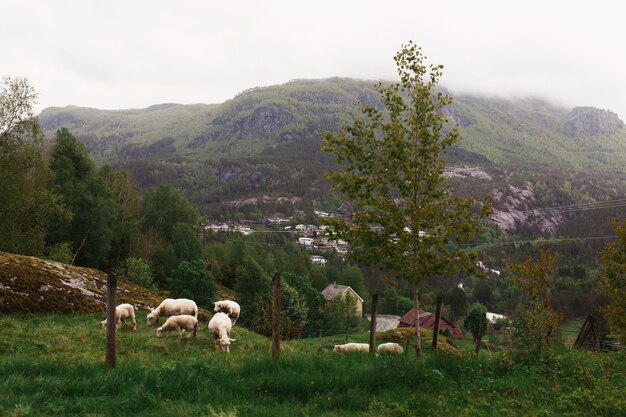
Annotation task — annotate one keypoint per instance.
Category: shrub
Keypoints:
(137, 271)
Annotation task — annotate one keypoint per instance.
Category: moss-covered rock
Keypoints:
(35, 285)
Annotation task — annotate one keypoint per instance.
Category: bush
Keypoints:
(192, 280)
(137, 271)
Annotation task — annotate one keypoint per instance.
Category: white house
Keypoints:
(305, 241)
(319, 260)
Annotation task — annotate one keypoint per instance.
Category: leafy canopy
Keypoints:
(613, 279)
(404, 215)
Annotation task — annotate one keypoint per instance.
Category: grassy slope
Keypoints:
(53, 365)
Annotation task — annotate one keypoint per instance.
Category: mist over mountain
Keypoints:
(261, 149)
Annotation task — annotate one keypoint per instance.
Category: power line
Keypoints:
(551, 240)
(579, 207)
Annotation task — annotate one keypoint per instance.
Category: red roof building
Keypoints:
(427, 321)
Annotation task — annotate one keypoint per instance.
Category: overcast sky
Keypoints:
(118, 54)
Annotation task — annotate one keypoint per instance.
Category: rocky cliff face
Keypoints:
(516, 205)
(589, 121)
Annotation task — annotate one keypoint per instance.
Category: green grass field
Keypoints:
(53, 365)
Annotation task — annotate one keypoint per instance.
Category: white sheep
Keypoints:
(179, 323)
(352, 347)
(171, 307)
(220, 326)
(229, 307)
(123, 312)
(390, 348)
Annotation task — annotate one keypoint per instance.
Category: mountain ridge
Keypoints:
(266, 141)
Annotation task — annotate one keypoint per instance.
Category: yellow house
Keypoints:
(335, 291)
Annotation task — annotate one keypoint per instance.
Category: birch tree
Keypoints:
(404, 216)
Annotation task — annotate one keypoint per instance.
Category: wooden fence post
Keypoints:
(111, 304)
(276, 315)
(373, 317)
(437, 322)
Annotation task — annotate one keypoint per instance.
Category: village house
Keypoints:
(427, 321)
(335, 291)
(318, 260)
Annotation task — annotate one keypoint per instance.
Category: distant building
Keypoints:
(427, 321)
(335, 291)
(305, 241)
(319, 260)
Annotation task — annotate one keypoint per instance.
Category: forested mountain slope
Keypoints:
(265, 142)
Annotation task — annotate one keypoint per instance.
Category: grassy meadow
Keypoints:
(53, 365)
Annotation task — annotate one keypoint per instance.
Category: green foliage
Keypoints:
(613, 278)
(27, 204)
(185, 243)
(165, 206)
(137, 271)
(475, 316)
(86, 196)
(392, 302)
(457, 300)
(192, 280)
(404, 217)
(61, 252)
(534, 321)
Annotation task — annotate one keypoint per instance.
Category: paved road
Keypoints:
(385, 322)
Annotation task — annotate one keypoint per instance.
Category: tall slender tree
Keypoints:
(404, 216)
(26, 203)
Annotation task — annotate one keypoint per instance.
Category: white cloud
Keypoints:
(120, 54)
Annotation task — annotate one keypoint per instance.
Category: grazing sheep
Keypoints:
(390, 348)
(171, 307)
(229, 307)
(123, 312)
(220, 326)
(352, 347)
(179, 323)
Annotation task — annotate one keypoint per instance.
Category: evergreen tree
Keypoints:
(84, 193)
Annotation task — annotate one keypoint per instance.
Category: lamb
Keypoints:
(390, 348)
(123, 312)
(220, 326)
(171, 307)
(179, 323)
(352, 347)
(229, 307)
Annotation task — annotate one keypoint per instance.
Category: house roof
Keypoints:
(427, 321)
(334, 290)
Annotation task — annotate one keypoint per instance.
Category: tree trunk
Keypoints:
(416, 302)
(276, 315)
(481, 332)
(374, 314)
(437, 321)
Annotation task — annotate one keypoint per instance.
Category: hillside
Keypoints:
(265, 142)
(35, 285)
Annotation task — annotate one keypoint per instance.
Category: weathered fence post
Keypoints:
(437, 322)
(111, 304)
(276, 315)
(373, 316)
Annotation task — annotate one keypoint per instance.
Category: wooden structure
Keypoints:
(584, 333)
(427, 321)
